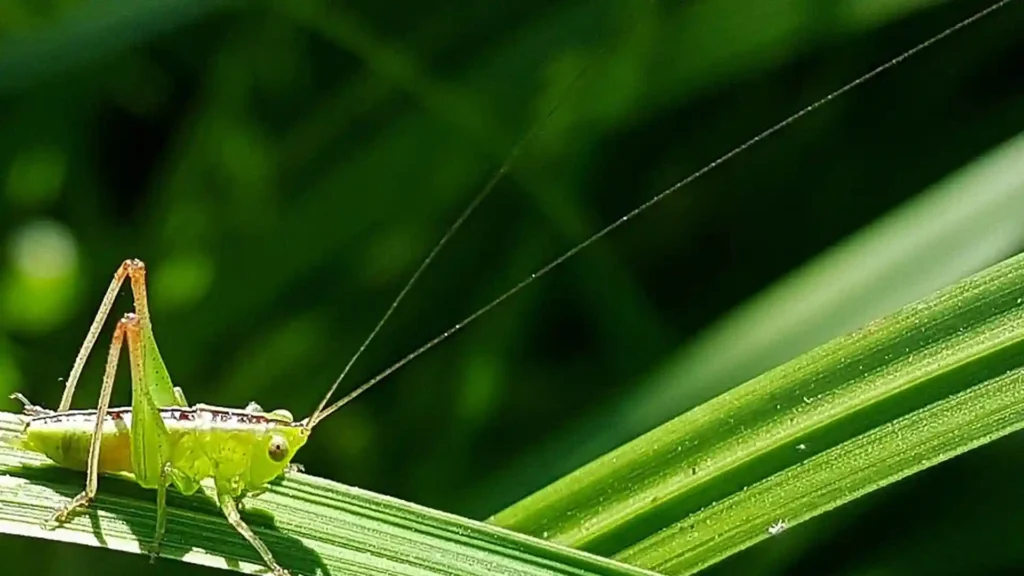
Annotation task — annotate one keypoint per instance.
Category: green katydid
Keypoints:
(163, 441)
(160, 440)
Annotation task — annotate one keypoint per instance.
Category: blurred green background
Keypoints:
(283, 167)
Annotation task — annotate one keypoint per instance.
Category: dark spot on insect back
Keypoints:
(184, 415)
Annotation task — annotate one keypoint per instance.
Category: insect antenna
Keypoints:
(322, 412)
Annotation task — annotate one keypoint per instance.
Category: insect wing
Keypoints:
(151, 390)
(158, 381)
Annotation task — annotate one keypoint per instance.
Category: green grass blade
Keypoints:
(926, 383)
(957, 227)
(314, 527)
(990, 410)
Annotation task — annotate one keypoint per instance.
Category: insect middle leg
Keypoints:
(161, 514)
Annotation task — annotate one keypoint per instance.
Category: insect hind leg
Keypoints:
(83, 499)
(133, 269)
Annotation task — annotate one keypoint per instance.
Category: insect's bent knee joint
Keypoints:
(131, 267)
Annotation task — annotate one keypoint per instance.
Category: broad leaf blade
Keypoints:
(314, 526)
(968, 221)
(985, 412)
(917, 387)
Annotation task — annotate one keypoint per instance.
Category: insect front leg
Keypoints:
(230, 509)
(92, 464)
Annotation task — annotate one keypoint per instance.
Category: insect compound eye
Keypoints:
(278, 448)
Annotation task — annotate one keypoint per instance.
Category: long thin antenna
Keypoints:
(484, 193)
(323, 413)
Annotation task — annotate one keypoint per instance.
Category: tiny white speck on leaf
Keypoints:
(777, 528)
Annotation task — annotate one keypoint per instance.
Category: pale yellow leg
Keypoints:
(134, 269)
(92, 471)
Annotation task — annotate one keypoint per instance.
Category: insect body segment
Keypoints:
(240, 450)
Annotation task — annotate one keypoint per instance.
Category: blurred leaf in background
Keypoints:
(283, 167)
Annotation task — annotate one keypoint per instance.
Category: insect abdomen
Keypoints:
(64, 438)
